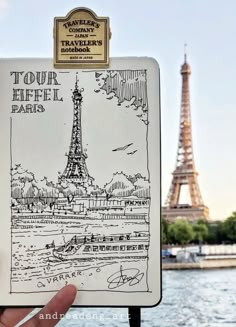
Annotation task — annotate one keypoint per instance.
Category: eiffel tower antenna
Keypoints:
(76, 82)
(185, 52)
(185, 173)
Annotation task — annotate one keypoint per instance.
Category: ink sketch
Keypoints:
(80, 180)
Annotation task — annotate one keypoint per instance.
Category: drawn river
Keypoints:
(35, 268)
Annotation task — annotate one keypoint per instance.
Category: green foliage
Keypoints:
(200, 230)
(216, 233)
(181, 231)
(230, 227)
(222, 232)
(164, 230)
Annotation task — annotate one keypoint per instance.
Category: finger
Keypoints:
(10, 317)
(50, 315)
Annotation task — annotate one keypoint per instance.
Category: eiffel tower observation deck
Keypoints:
(185, 174)
(76, 170)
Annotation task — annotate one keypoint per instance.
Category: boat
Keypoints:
(104, 247)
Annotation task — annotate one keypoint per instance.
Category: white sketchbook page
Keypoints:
(103, 235)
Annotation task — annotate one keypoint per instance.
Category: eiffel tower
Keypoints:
(76, 170)
(185, 172)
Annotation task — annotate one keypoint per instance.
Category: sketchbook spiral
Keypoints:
(80, 182)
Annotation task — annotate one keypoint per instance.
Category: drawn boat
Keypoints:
(103, 248)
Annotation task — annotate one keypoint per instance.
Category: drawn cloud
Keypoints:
(129, 87)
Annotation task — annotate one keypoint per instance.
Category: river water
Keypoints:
(196, 298)
(190, 298)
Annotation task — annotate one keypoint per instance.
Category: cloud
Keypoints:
(3, 6)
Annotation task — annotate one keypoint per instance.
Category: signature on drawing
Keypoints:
(131, 276)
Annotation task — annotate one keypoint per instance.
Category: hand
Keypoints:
(59, 304)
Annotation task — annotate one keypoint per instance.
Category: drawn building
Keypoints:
(185, 173)
(76, 169)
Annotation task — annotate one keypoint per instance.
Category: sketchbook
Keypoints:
(80, 182)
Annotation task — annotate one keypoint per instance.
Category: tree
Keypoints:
(216, 233)
(181, 231)
(142, 189)
(70, 190)
(200, 231)
(119, 186)
(94, 190)
(230, 227)
(164, 230)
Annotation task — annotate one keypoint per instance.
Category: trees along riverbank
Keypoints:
(183, 232)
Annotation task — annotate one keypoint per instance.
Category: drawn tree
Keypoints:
(70, 190)
(46, 189)
(142, 189)
(119, 186)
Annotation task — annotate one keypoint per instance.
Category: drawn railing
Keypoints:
(76, 240)
(125, 216)
(130, 247)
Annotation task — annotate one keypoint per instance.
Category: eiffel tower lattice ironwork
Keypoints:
(76, 170)
(185, 172)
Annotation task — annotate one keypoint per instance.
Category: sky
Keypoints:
(159, 29)
(114, 127)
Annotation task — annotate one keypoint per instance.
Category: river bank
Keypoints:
(206, 263)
